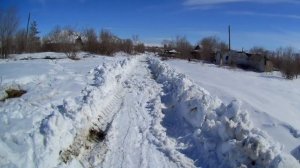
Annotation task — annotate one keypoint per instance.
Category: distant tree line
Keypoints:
(286, 60)
(208, 46)
(14, 40)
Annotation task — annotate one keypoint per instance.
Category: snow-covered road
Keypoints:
(131, 138)
(133, 132)
(133, 113)
(162, 119)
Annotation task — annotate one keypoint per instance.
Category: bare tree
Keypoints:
(91, 43)
(126, 46)
(139, 48)
(8, 26)
(183, 46)
(51, 40)
(62, 40)
(180, 44)
(54, 35)
(108, 42)
(222, 46)
(286, 62)
(67, 40)
(20, 41)
(168, 44)
(210, 45)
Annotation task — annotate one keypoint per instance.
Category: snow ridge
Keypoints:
(211, 133)
(77, 115)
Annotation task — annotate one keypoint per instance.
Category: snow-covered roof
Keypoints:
(66, 36)
(173, 51)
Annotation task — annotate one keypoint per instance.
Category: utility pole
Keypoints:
(28, 21)
(229, 38)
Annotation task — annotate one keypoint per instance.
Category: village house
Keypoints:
(243, 60)
(170, 53)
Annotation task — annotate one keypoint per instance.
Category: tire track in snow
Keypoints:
(102, 98)
(125, 137)
(82, 147)
(131, 141)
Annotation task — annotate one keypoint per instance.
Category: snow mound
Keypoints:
(223, 134)
(4, 87)
(49, 55)
(75, 116)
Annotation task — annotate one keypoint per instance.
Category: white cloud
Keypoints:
(217, 2)
(289, 16)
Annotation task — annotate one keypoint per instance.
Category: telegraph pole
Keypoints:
(28, 21)
(229, 38)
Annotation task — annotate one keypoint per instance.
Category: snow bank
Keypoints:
(49, 55)
(271, 101)
(75, 116)
(223, 134)
(43, 55)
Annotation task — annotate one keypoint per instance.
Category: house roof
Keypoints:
(173, 51)
(198, 47)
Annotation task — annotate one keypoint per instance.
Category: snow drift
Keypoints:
(42, 146)
(223, 134)
(77, 116)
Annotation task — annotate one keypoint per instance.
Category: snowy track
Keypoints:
(130, 139)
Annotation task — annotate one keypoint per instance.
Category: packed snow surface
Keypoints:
(127, 111)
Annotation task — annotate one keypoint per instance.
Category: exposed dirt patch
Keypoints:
(13, 93)
(82, 144)
(96, 135)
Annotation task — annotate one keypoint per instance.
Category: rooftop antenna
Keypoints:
(229, 38)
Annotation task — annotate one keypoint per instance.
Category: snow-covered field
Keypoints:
(148, 114)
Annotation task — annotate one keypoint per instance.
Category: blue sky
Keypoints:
(267, 23)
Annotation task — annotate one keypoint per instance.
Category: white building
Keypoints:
(242, 59)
